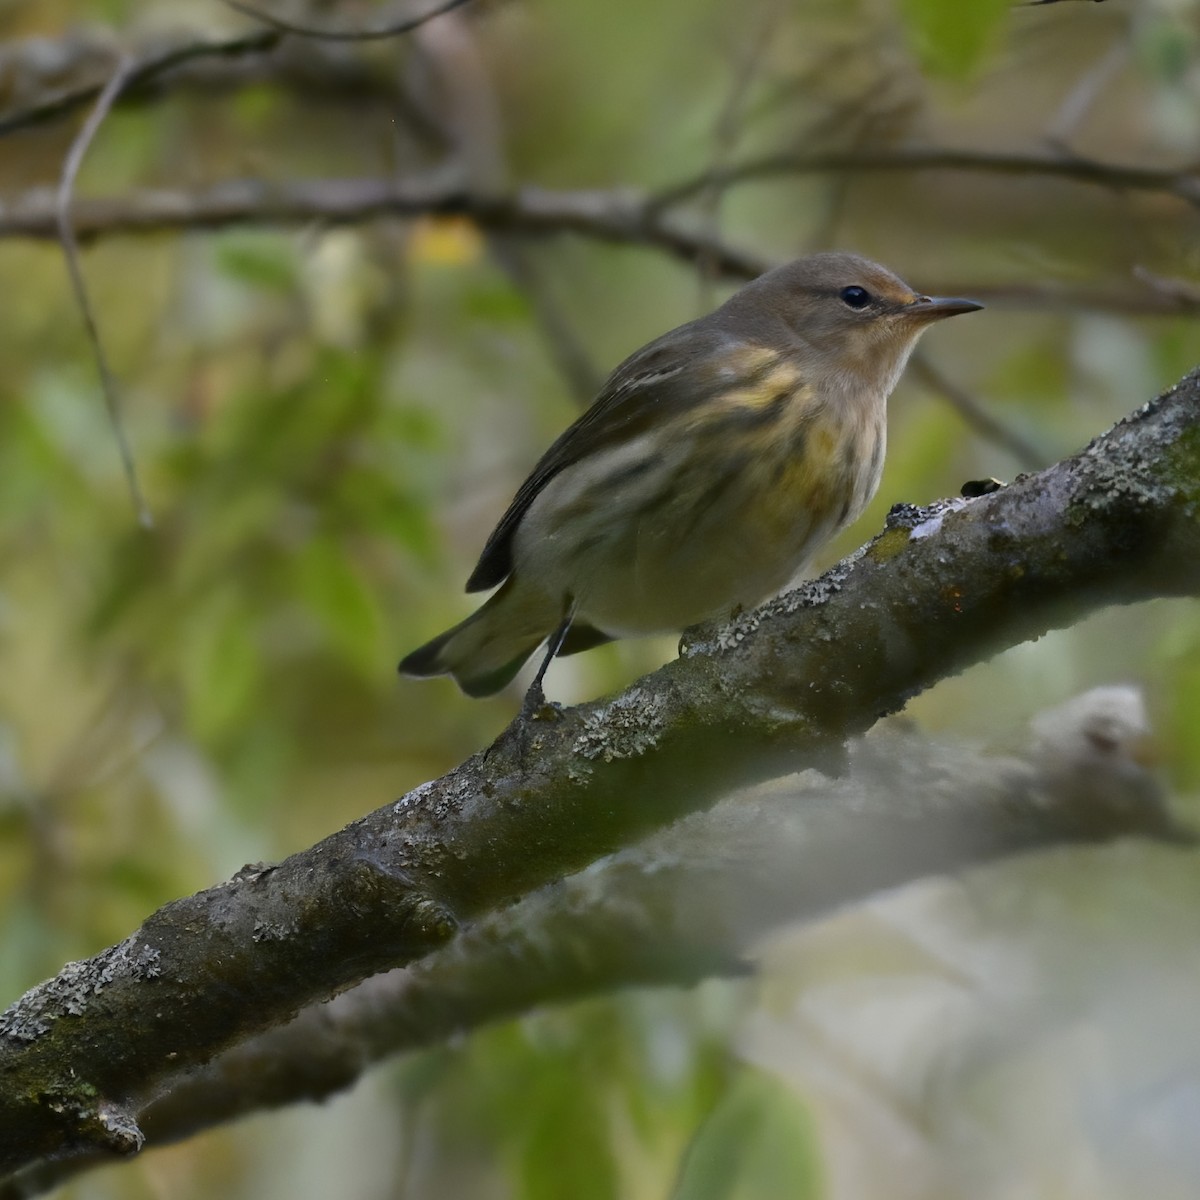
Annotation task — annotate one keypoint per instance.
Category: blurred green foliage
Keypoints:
(757, 1142)
(328, 420)
(953, 39)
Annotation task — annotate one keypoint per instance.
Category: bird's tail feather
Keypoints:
(485, 651)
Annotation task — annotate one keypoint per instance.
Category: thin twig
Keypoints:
(565, 347)
(1179, 181)
(615, 216)
(619, 216)
(461, 99)
(141, 72)
(727, 132)
(66, 234)
(1180, 290)
(393, 29)
(985, 423)
(1082, 97)
(321, 72)
(1031, 295)
(875, 114)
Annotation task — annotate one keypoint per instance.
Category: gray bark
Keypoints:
(776, 690)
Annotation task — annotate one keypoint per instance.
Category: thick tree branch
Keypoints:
(686, 903)
(776, 689)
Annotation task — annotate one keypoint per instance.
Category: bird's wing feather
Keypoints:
(675, 370)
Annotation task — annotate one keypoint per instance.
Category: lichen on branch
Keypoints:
(777, 690)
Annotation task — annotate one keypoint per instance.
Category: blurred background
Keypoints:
(327, 416)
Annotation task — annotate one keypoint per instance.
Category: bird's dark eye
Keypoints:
(855, 297)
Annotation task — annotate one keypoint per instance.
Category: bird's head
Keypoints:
(851, 319)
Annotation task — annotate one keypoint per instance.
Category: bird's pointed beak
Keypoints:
(934, 308)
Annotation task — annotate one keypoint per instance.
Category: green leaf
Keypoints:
(496, 302)
(952, 37)
(264, 261)
(1177, 671)
(1167, 48)
(219, 663)
(569, 1151)
(757, 1144)
(337, 596)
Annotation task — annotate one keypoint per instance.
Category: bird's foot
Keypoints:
(534, 702)
(521, 735)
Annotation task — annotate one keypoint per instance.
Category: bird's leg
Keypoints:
(535, 698)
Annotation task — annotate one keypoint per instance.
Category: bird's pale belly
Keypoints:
(655, 558)
(663, 584)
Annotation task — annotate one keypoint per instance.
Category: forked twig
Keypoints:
(394, 29)
(145, 70)
(985, 423)
(727, 132)
(66, 234)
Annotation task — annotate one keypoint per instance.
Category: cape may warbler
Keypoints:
(707, 473)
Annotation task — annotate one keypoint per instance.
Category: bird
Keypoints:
(711, 467)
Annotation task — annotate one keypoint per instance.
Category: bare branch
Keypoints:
(566, 349)
(389, 30)
(1182, 291)
(317, 71)
(1181, 182)
(619, 216)
(773, 690)
(727, 131)
(141, 71)
(985, 423)
(688, 902)
(1146, 301)
(1082, 97)
(66, 187)
(612, 216)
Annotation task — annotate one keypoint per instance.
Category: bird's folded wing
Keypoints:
(670, 375)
